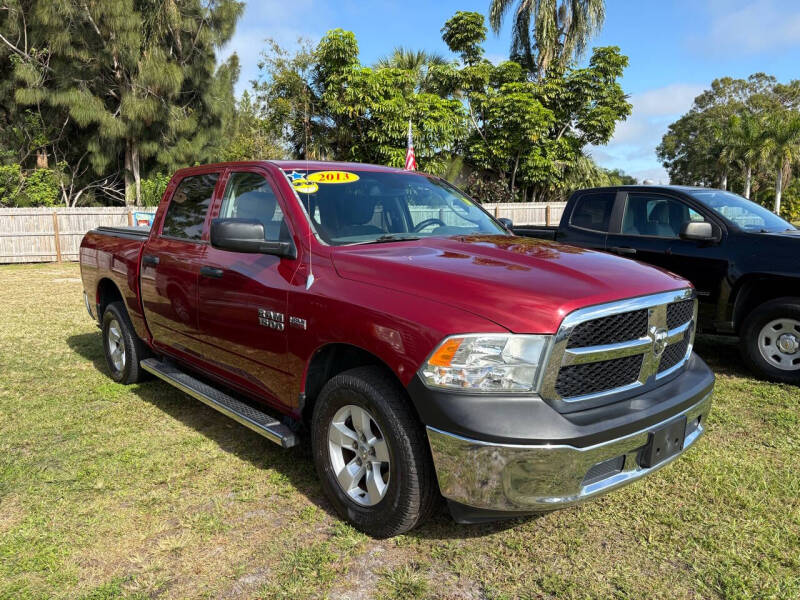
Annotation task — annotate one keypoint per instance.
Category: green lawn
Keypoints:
(109, 491)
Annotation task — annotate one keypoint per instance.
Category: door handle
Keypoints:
(618, 250)
(211, 272)
(149, 259)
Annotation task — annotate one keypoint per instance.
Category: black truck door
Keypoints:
(647, 228)
(587, 221)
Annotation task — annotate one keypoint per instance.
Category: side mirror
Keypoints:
(507, 223)
(247, 235)
(700, 231)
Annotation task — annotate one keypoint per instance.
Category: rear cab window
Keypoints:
(186, 213)
(593, 211)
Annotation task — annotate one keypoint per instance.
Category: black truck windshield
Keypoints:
(359, 207)
(741, 211)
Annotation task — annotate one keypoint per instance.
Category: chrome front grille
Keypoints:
(601, 352)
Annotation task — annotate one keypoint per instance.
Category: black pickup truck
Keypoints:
(743, 260)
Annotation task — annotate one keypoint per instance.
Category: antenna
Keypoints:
(310, 278)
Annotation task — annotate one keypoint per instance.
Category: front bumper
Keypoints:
(544, 474)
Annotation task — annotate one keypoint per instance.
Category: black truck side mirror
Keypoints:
(507, 223)
(247, 235)
(699, 231)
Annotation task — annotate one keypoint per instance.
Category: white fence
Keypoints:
(48, 234)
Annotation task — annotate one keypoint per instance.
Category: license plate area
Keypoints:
(664, 443)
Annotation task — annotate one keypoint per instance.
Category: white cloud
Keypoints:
(282, 21)
(745, 28)
(632, 148)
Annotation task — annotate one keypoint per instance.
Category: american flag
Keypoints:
(411, 160)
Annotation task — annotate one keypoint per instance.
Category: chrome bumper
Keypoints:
(505, 477)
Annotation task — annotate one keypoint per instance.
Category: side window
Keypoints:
(656, 215)
(188, 207)
(593, 211)
(250, 196)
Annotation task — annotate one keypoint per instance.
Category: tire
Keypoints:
(768, 336)
(410, 493)
(123, 348)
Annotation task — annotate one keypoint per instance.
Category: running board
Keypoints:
(251, 417)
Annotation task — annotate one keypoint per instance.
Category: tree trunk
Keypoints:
(724, 183)
(514, 173)
(778, 190)
(748, 178)
(41, 159)
(133, 180)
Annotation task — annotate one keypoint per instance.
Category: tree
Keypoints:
(533, 132)
(782, 144)
(418, 62)
(739, 128)
(324, 104)
(548, 32)
(138, 79)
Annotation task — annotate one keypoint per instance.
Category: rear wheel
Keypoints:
(770, 340)
(123, 348)
(371, 453)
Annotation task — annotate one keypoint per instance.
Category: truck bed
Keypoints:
(541, 232)
(125, 232)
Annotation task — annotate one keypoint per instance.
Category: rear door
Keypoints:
(171, 262)
(243, 297)
(588, 221)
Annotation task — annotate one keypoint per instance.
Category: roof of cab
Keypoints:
(313, 165)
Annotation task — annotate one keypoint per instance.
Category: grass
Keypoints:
(139, 492)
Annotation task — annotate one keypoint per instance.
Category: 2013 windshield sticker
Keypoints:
(332, 177)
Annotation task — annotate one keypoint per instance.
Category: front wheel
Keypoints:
(371, 453)
(770, 340)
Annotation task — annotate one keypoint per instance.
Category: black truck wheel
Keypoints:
(371, 453)
(770, 340)
(123, 348)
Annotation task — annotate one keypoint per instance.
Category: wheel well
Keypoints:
(757, 290)
(107, 292)
(329, 361)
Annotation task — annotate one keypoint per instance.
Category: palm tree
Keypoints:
(560, 29)
(746, 147)
(782, 144)
(417, 61)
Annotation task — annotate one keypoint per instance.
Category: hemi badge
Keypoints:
(297, 322)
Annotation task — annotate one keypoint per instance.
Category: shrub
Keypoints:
(153, 188)
(41, 188)
(11, 183)
(487, 190)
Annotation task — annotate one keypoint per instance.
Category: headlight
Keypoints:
(486, 362)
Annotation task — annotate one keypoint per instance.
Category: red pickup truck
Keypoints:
(425, 348)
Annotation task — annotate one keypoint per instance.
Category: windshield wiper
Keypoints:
(391, 237)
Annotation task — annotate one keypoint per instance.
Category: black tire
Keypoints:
(135, 349)
(780, 308)
(411, 491)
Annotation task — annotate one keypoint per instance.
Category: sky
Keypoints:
(676, 49)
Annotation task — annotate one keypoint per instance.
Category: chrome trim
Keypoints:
(510, 477)
(651, 346)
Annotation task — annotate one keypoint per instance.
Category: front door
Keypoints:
(650, 232)
(243, 297)
(171, 262)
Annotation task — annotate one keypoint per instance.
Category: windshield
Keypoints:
(747, 215)
(358, 207)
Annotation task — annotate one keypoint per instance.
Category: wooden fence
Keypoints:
(47, 234)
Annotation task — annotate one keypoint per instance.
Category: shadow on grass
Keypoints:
(295, 464)
(721, 352)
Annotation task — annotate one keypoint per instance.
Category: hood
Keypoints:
(523, 284)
